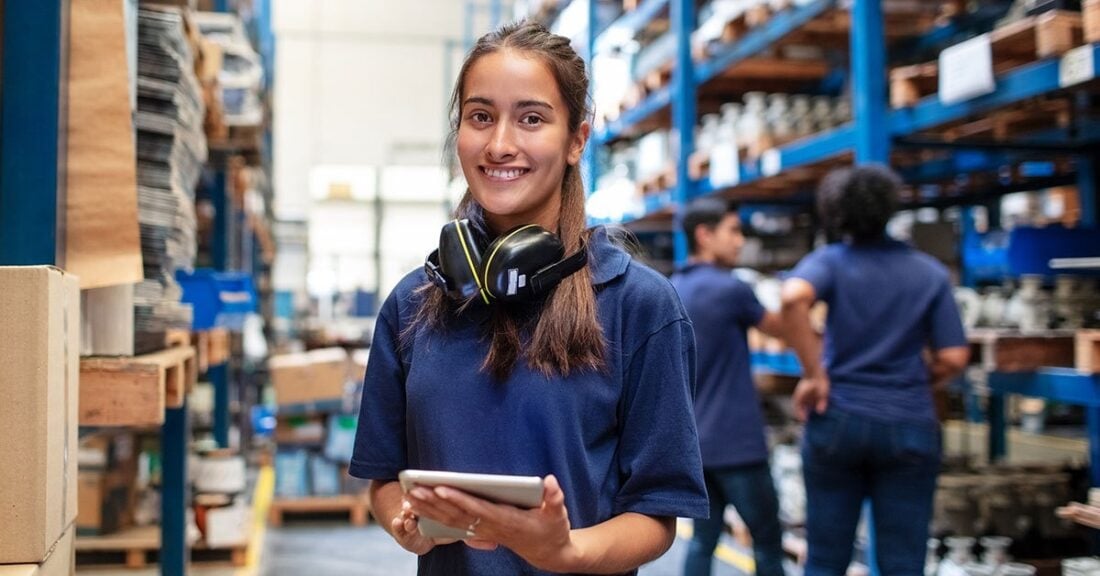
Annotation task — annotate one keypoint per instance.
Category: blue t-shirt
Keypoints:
(887, 302)
(618, 441)
(727, 408)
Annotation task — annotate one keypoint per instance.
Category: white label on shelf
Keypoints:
(725, 166)
(966, 70)
(1076, 66)
(771, 162)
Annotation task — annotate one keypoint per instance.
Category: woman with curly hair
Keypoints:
(866, 389)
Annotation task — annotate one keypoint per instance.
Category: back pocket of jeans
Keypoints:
(823, 433)
(917, 443)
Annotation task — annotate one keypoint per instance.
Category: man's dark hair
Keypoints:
(856, 203)
(704, 212)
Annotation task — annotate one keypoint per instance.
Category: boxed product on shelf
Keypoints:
(221, 472)
(324, 476)
(38, 417)
(227, 526)
(340, 440)
(59, 562)
(105, 501)
(310, 376)
(291, 473)
(299, 430)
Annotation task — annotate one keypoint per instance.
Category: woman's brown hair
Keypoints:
(565, 334)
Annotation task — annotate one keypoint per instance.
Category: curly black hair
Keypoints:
(856, 203)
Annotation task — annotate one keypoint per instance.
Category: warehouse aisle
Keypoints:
(327, 549)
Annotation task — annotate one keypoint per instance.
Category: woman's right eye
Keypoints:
(480, 117)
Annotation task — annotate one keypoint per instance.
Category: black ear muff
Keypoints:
(527, 262)
(454, 266)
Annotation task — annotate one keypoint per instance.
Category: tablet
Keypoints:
(519, 491)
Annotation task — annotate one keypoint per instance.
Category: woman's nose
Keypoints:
(502, 142)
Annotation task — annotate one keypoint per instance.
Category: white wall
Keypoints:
(362, 83)
(354, 79)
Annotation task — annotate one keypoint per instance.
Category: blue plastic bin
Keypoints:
(218, 299)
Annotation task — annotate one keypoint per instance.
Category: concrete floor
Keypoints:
(334, 549)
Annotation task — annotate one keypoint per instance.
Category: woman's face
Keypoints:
(514, 141)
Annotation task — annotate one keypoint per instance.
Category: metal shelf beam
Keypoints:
(1026, 82)
(760, 38)
(655, 102)
(632, 22)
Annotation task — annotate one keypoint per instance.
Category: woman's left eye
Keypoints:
(532, 120)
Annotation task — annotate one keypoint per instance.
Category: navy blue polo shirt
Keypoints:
(887, 302)
(727, 409)
(619, 441)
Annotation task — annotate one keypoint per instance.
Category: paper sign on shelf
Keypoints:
(1076, 66)
(725, 166)
(966, 70)
(771, 162)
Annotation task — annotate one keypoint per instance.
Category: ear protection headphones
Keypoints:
(520, 265)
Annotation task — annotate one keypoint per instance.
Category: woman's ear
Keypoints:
(577, 142)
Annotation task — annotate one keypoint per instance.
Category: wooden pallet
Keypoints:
(1086, 354)
(1090, 13)
(1011, 351)
(135, 390)
(357, 508)
(139, 547)
(1033, 38)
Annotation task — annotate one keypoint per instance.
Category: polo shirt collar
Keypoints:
(606, 259)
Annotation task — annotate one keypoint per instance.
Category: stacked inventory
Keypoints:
(315, 433)
(171, 152)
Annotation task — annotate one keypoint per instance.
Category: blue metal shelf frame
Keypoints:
(1017, 85)
(33, 132)
(759, 39)
(782, 363)
(1059, 384)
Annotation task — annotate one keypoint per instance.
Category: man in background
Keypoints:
(727, 409)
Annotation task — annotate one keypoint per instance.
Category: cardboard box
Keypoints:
(39, 352)
(60, 561)
(309, 377)
(105, 501)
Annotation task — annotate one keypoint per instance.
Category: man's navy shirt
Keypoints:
(727, 409)
(620, 441)
(887, 301)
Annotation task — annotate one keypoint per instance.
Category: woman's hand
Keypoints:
(405, 529)
(541, 535)
(812, 393)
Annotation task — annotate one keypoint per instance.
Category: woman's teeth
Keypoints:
(505, 174)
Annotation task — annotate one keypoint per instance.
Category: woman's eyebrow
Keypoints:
(521, 104)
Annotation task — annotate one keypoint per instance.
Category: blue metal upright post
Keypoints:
(872, 137)
(219, 378)
(33, 132)
(868, 47)
(174, 435)
(589, 171)
(683, 116)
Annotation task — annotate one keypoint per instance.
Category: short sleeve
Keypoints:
(946, 327)
(747, 308)
(814, 268)
(380, 447)
(659, 460)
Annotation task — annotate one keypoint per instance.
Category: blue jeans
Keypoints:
(848, 458)
(750, 490)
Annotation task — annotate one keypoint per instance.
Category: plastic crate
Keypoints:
(218, 299)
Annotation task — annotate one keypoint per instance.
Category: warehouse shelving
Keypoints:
(1044, 77)
(32, 232)
(784, 173)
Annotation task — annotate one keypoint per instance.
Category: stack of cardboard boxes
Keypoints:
(39, 383)
(316, 423)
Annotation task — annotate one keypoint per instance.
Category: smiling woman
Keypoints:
(586, 384)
